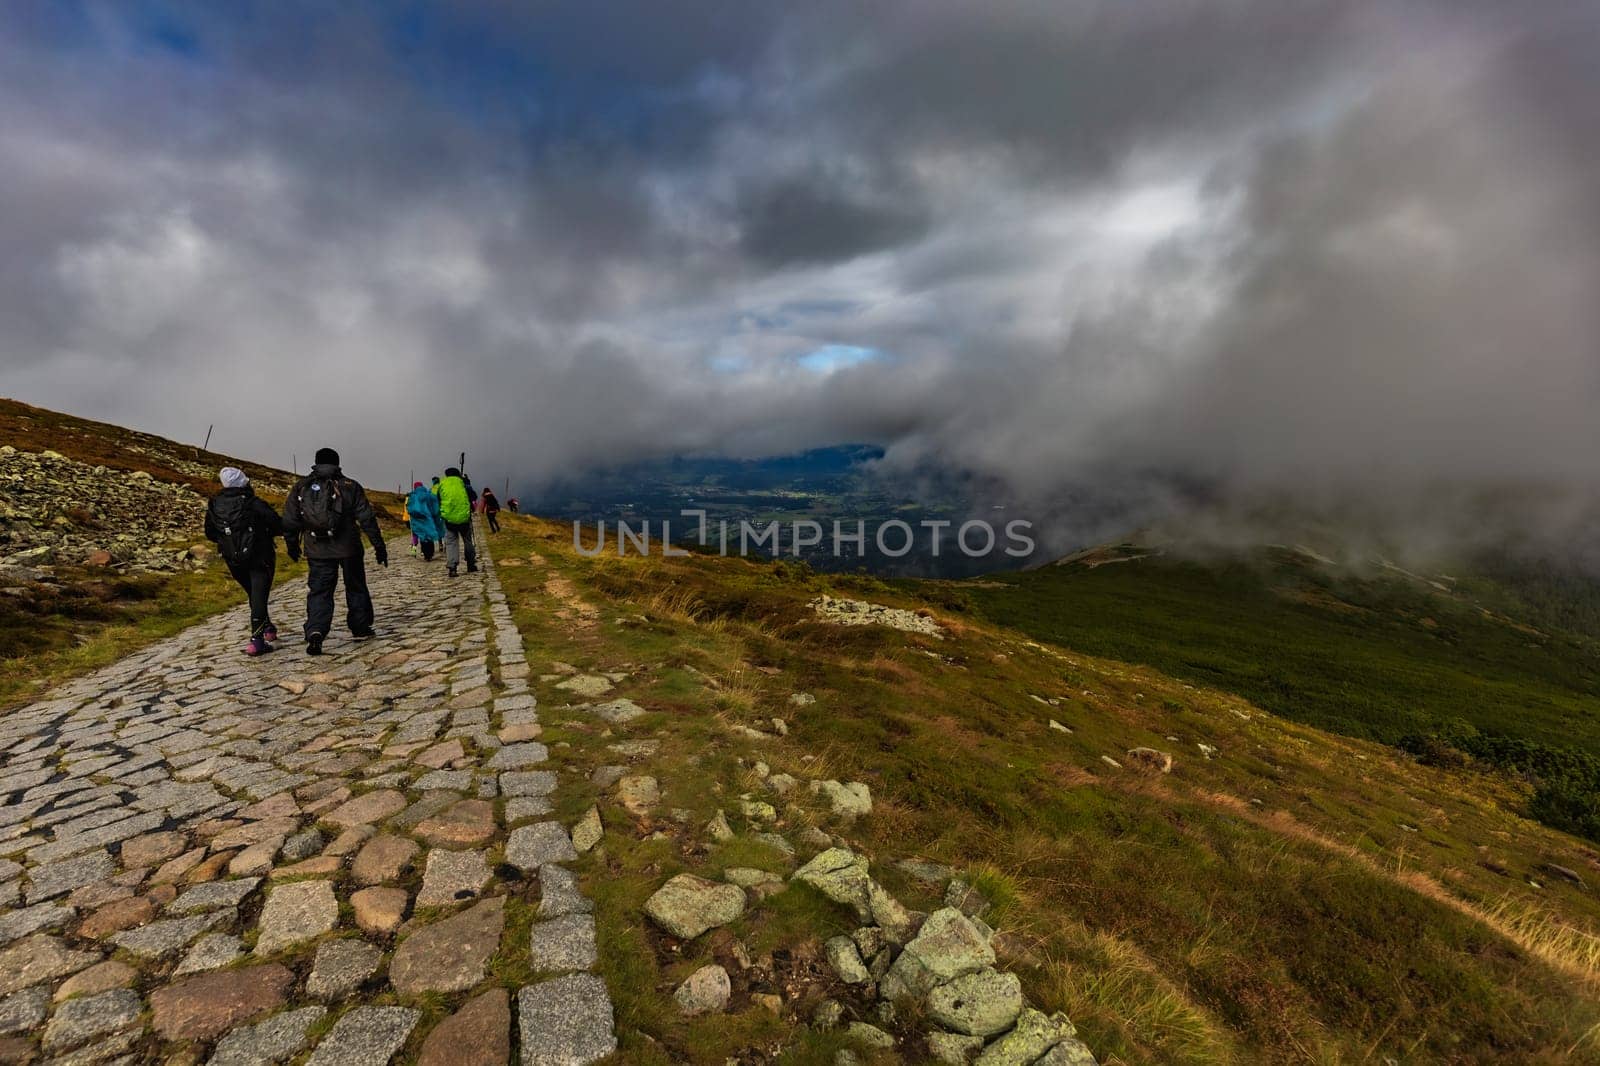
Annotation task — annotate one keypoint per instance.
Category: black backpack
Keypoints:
(234, 517)
(321, 507)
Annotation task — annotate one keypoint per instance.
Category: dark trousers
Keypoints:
(494, 520)
(256, 580)
(427, 550)
(320, 583)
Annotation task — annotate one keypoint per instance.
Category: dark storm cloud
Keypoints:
(1107, 258)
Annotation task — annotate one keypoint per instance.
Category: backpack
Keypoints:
(321, 507)
(234, 519)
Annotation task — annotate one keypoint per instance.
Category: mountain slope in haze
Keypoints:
(1470, 666)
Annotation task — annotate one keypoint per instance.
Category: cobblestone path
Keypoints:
(345, 860)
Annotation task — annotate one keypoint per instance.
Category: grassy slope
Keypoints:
(92, 618)
(1375, 658)
(1300, 897)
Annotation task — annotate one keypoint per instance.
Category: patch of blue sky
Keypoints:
(831, 358)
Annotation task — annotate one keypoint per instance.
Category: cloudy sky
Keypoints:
(1066, 246)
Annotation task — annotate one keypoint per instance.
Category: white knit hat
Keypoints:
(233, 478)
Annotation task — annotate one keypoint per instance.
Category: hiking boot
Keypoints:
(314, 644)
(362, 634)
(451, 571)
(472, 568)
(270, 634)
(258, 646)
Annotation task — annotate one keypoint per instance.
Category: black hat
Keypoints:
(327, 457)
(451, 471)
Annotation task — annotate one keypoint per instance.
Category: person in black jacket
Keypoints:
(327, 513)
(243, 527)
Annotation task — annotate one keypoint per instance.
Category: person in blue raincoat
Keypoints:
(427, 526)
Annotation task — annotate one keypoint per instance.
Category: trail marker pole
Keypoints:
(207, 445)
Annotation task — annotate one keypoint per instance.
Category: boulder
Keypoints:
(978, 1004)
(847, 799)
(948, 946)
(841, 875)
(1035, 1034)
(706, 990)
(687, 906)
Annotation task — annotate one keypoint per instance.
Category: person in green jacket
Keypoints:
(455, 507)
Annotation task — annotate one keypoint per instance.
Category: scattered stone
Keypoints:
(847, 799)
(1150, 759)
(78, 1021)
(366, 1036)
(452, 876)
(868, 1035)
(687, 906)
(1035, 1034)
(966, 899)
(861, 613)
(750, 877)
(200, 1008)
(841, 875)
(341, 967)
(450, 955)
(953, 1048)
(845, 959)
(266, 1043)
(295, 913)
(533, 846)
(948, 946)
(383, 858)
(379, 910)
(638, 795)
(977, 1004)
(565, 943)
(479, 1034)
(587, 833)
(718, 828)
(566, 1022)
(604, 777)
(585, 686)
(617, 712)
(706, 991)
(828, 1015)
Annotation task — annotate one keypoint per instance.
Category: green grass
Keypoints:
(1358, 658)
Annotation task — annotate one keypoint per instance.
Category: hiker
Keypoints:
(243, 526)
(512, 504)
(329, 512)
(455, 507)
(422, 511)
(491, 510)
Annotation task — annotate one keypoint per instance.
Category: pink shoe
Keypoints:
(270, 634)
